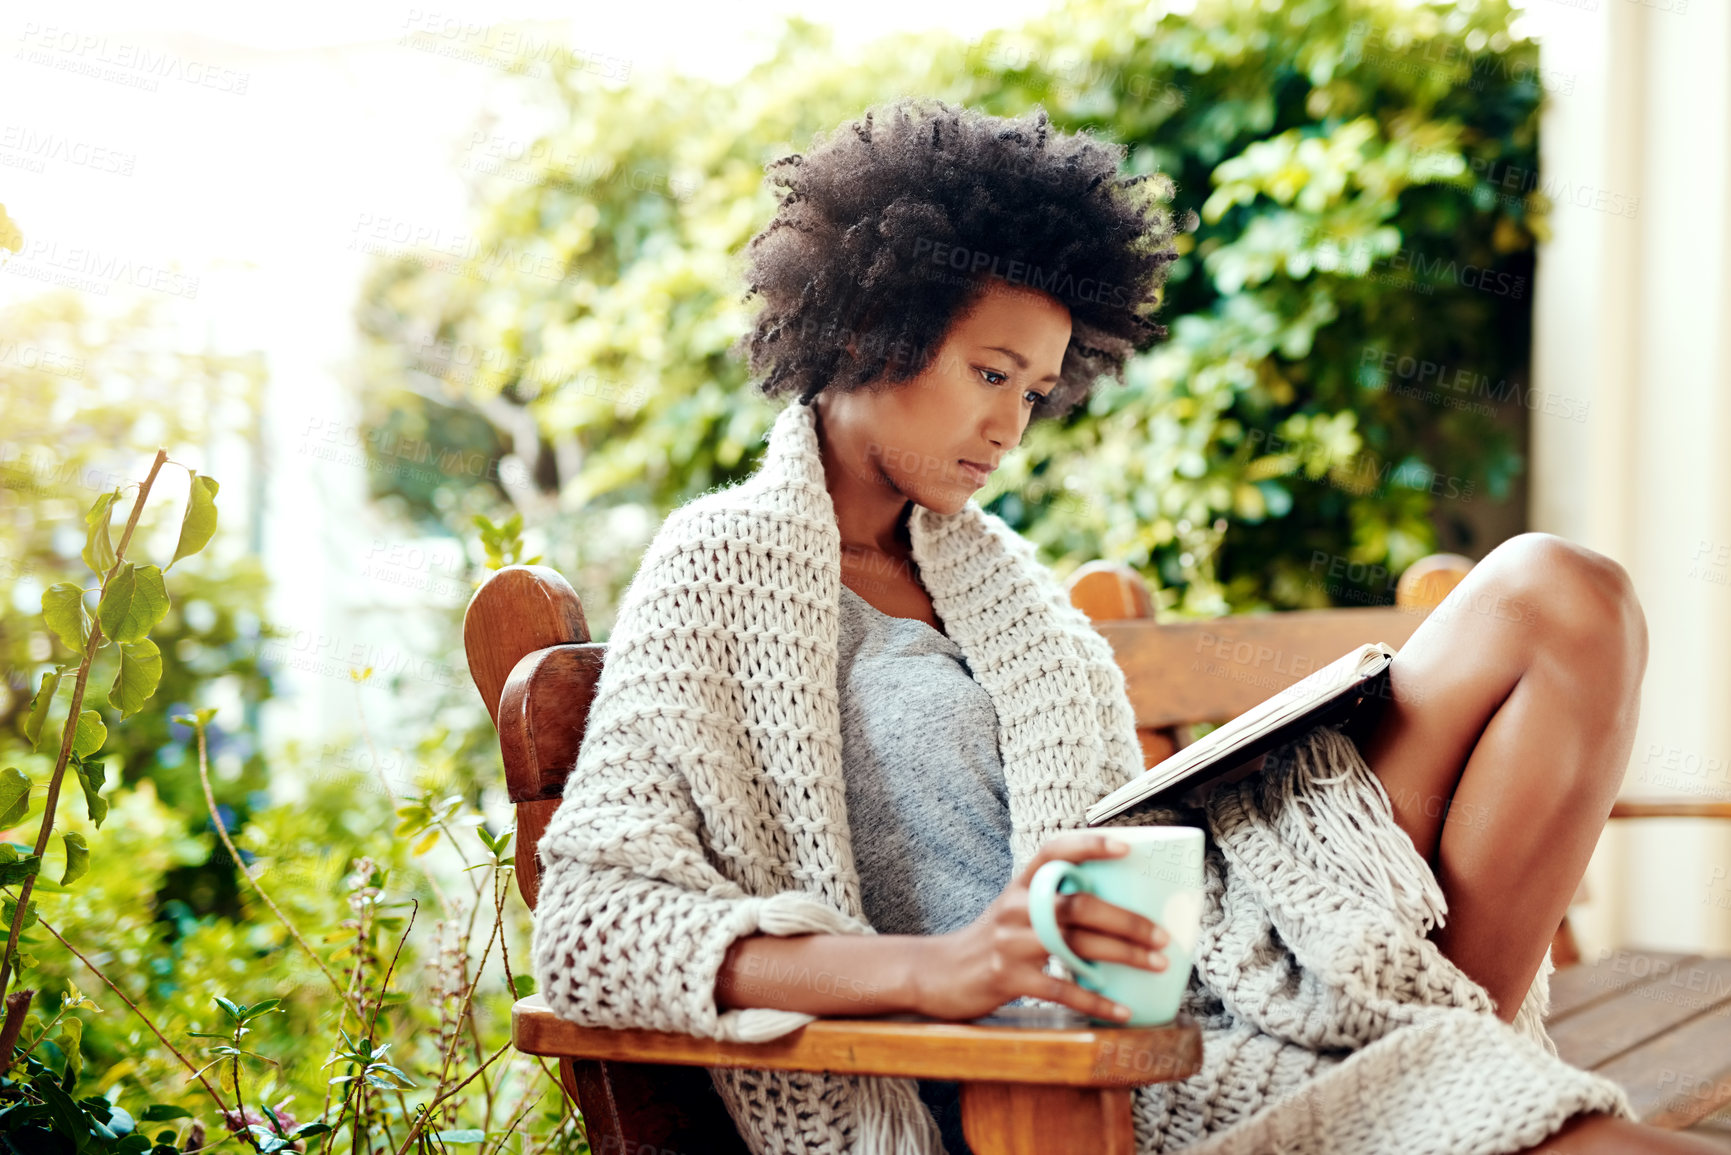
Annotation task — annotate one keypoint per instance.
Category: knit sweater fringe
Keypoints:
(1331, 1023)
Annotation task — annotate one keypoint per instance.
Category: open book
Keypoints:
(1328, 696)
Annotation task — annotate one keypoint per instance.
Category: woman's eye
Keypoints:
(1036, 395)
(989, 373)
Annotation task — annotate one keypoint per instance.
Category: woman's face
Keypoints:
(971, 404)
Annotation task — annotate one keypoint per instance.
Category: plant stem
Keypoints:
(69, 731)
(431, 1107)
(222, 832)
(523, 1106)
(390, 970)
(504, 940)
(239, 1098)
(468, 997)
(97, 971)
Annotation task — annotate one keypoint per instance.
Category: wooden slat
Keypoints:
(1185, 672)
(543, 711)
(517, 610)
(1109, 592)
(1576, 987)
(1672, 994)
(532, 819)
(1074, 1053)
(1430, 579)
(642, 1109)
(1015, 1119)
(1683, 1075)
(1634, 808)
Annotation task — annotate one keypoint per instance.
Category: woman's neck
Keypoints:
(869, 519)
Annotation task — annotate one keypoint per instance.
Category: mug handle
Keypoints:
(1055, 878)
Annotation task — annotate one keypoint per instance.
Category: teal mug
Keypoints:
(1161, 879)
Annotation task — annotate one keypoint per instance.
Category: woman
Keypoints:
(801, 796)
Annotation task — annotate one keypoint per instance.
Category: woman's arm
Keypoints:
(635, 916)
(840, 975)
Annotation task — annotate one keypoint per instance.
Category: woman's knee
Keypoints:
(1583, 602)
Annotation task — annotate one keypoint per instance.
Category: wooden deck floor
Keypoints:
(1658, 1023)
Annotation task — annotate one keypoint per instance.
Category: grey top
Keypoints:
(927, 802)
(926, 798)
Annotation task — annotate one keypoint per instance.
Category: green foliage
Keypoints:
(199, 524)
(1343, 158)
(133, 601)
(503, 544)
(14, 797)
(107, 381)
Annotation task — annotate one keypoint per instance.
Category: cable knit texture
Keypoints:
(708, 804)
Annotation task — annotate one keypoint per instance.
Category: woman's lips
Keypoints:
(975, 472)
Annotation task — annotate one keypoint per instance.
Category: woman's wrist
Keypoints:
(925, 962)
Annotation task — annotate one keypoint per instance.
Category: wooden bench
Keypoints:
(1033, 1079)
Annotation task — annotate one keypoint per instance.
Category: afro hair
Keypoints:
(890, 228)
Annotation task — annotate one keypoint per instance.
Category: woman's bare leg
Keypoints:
(1512, 715)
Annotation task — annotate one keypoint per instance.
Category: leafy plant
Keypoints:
(365, 1096)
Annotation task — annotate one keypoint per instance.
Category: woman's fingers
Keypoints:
(1107, 948)
(1073, 846)
(1082, 999)
(1092, 912)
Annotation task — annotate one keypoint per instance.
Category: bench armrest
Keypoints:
(1049, 1046)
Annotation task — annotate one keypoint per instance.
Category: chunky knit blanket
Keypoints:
(708, 804)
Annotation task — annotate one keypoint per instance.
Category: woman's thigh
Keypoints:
(1536, 600)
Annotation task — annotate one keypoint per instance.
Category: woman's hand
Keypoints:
(975, 970)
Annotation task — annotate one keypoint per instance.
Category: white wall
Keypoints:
(1633, 315)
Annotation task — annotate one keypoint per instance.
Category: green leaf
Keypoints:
(63, 610)
(163, 1112)
(89, 736)
(98, 548)
(9, 906)
(91, 776)
(133, 602)
(522, 986)
(250, 1013)
(14, 797)
(233, 1011)
(199, 524)
(69, 1120)
(72, 1032)
(136, 680)
(197, 720)
(469, 1135)
(311, 1129)
(40, 705)
(77, 858)
(13, 873)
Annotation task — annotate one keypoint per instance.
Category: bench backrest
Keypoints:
(529, 652)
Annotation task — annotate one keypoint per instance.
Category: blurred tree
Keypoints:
(1348, 159)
